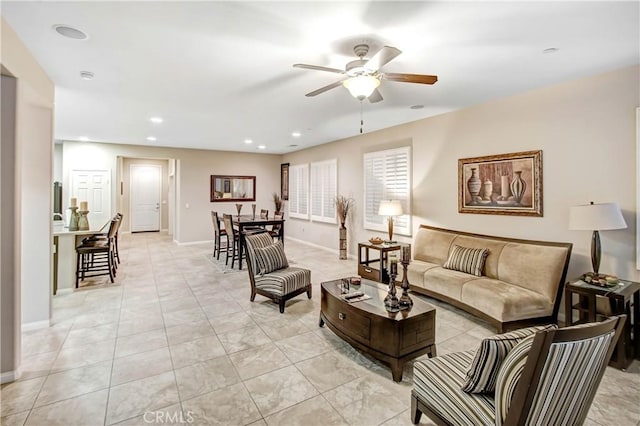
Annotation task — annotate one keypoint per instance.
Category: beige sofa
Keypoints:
(522, 281)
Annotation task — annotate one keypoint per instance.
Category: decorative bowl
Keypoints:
(376, 240)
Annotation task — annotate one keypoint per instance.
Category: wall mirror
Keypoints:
(233, 188)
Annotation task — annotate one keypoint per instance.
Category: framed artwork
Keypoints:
(509, 184)
(284, 181)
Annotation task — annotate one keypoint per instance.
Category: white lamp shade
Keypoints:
(390, 208)
(361, 86)
(596, 217)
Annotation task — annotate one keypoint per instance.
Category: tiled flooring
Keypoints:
(177, 341)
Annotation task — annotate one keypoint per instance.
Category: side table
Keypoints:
(624, 298)
(374, 268)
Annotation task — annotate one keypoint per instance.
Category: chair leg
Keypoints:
(281, 303)
(309, 293)
(415, 412)
(77, 268)
(253, 295)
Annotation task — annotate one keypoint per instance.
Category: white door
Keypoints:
(93, 186)
(146, 187)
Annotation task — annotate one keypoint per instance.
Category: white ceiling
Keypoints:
(221, 72)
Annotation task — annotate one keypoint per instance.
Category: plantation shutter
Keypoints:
(387, 177)
(323, 191)
(299, 191)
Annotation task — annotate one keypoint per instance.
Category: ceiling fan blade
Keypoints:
(375, 97)
(318, 68)
(325, 88)
(384, 56)
(411, 78)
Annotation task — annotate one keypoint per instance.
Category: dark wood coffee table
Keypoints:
(366, 325)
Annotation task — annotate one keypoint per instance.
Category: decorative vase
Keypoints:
(343, 243)
(83, 221)
(238, 207)
(518, 187)
(253, 208)
(474, 185)
(487, 190)
(73, 219)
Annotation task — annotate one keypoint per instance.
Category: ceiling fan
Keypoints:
(363, 76)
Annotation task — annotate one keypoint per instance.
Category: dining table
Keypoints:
(243, 222)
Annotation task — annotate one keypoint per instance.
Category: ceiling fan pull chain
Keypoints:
(361, 119)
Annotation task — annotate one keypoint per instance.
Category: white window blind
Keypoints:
(299, 191)
(387, 177)
(323, 190)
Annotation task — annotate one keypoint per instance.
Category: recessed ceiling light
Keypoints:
(151, 138)
(296, 134)
(416, 106)
(156, 119)
(86, 75)
(262, 147)
(248, 141)
(70, 32)
(83, 138)
(551, 50)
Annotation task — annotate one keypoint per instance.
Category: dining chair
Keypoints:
(275, 229)
(218, 233)
(264, 214)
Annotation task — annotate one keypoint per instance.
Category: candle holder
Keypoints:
(73, 219)
(405, 301)
(391, 303)
(253, 208)
(83, 221)
(238, 208)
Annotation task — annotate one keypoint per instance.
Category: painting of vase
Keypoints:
(501, 184)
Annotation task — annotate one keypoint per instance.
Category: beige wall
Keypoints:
(193, 173)
(585, 128)
(32, 204)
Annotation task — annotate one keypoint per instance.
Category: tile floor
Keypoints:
(177, 341)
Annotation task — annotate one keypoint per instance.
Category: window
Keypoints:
(299, 191)
(387, 177)
(323, 191)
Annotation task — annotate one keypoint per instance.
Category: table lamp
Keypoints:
(390, 208)
(596, 217)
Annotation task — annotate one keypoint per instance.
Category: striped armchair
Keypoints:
(548, 378)
(269, 271)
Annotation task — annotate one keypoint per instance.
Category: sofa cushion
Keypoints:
(534, 267)
(482, 374)
(504, 301)
(284, 281)
(416, 271)
(271, 258)
(465, 259)
(432, 246)
(447, 282)
(437, 382)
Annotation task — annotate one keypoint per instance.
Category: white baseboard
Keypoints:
(9, 376)
(36, 325)
(192, 243)
(318, 246)
(63, 291)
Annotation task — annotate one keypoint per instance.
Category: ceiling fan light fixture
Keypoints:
(362, 86)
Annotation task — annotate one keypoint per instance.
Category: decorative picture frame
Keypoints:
(505, 184)
(284, 181)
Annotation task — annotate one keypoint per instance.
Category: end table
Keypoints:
(624, 298)
(374, 268)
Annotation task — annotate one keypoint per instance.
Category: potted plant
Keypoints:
(279, 203)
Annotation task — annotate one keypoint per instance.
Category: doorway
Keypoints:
(145, 197)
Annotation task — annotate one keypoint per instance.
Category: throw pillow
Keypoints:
(271, 258)
(509, 375)
(467, 260)
(483, 371)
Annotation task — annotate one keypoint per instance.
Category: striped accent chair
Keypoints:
(279, 285)
(549, 378)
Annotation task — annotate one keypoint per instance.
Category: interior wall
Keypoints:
(585, 128)
(32, 204)
(126, 190)
(193, 170)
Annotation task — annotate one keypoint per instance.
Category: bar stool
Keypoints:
(217, 236)
(97, 257)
